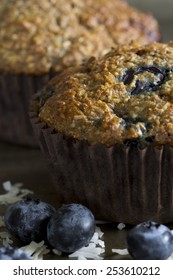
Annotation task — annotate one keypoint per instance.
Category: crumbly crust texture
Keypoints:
(127, 95)
(38, 36)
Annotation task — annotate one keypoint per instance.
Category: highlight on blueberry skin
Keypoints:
(150, 241)
(71, 228)
(9, 253)
(27, 219)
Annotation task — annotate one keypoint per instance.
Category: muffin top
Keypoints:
(127, 95)
(38, 36)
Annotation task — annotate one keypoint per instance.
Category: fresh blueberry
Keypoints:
(27, 219)
(70, 228)
(150, 241)
(8, 253)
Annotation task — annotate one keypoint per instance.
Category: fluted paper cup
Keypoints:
(122, 183)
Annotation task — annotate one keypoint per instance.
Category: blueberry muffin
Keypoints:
(125, 95)
(39, 38)
(106, 129)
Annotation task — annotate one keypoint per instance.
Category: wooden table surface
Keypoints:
(26, 165)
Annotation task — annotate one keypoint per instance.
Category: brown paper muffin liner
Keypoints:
(119, 184)
(15, 93)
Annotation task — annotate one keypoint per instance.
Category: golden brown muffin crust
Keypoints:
(41, 35)
(125, 95)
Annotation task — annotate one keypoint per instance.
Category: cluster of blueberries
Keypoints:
(66, 229)
(72, 226)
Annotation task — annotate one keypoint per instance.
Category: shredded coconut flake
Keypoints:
(93, 250)
(121, 226)
(121, 252)
(56, 252)
(6, 238)
(96, 239)
(89, 252)
(36, 250)
(7, 242)
(14, 193)
(40, 252)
